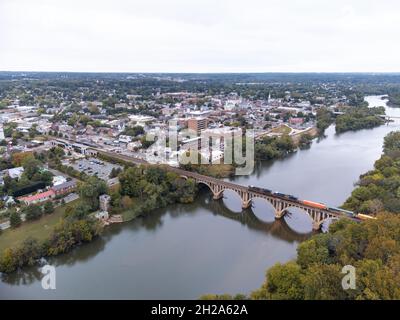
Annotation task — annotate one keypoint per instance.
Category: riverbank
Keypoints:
(311, 132)
(379, 189)
(39, 229)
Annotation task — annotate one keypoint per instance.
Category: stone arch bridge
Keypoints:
(280, 204)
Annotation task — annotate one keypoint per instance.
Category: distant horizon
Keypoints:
(205, 72)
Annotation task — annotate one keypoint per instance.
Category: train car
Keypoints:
(346, 212)
(314, 204)
(279, 194)
(261, 190)
(293, 198)
(364, 217)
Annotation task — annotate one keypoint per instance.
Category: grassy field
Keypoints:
(39, 229)
(283, 129)
(313, 132)
(220, 170)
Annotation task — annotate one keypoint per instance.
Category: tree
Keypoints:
(7, 261)
(155, 175)
(48, 207)
(323, 282)
(313, 251)
(79, 211)
(15, 219)
(114, 172)
(126, 202)
(31, 166)
(90, 190)
(324, 119)
(129, 181)
(18, 158)
(305, 140)
(283, 282)
(32, 212)
(134, 131)
(391, 142)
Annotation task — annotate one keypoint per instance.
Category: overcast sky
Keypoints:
(200, 35)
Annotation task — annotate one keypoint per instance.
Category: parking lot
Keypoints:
(95, 167)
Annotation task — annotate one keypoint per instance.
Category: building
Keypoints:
(58, 180)
(197, 124)
(231, 105)
(16, 173)
(191, 144)
(199, 113)
(134, 145)
(296, 121)
(219, 136)
(38, 198)
(102, 215)
(141, 120)
(104, 202)
(124, 139)
(64, 188)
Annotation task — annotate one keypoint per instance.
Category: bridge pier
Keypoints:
(246, 200)
(246, 204)
(316, 226)
(279, 214)
(218, 195)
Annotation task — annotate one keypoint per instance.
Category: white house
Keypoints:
(124, 138)
(15, 172)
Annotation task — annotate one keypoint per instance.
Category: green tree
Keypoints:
(15, 219)
(48, 207)
(32, 212)
(283, 282)
(323, 282)
(90, 190)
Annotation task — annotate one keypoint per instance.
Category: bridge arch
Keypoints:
(233, 200)
(299, 218)
(205, 184)
(320, 224)
(263, 208)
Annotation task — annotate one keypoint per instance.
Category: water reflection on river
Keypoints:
(209, 246)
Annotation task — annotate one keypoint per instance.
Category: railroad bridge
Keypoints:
(281, 205)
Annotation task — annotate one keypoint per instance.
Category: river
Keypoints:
(184, 251)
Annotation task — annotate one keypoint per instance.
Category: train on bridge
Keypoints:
(313, 204)
(217, 187)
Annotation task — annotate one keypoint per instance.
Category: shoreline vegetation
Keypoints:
(372, 246)
(356, 118)
(77, 225)
(393, 99)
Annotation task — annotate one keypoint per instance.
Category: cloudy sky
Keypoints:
(200, 35)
